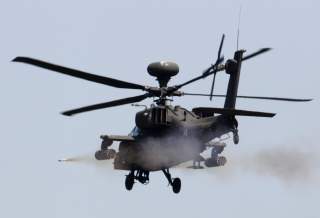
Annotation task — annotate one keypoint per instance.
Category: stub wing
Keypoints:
(119, 138)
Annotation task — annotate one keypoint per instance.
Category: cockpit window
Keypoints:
(135, 132)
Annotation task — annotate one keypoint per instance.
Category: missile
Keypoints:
(65, 159)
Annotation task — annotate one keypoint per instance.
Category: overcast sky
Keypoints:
(119, 39)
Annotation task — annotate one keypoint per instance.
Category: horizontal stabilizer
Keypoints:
(209, 111)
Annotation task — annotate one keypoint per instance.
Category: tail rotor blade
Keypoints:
(220, 48)
(209, 71)
(218, 61)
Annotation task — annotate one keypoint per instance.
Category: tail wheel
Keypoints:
(129, 182)
(236, 137)
(176, 185)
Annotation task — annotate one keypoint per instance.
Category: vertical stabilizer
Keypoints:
(233, 68)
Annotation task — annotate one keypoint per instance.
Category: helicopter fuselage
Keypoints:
(166, 136)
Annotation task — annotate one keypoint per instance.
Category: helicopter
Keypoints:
(164, 135)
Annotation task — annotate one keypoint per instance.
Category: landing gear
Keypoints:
(129, 181)
(175, 183)
(140, 175)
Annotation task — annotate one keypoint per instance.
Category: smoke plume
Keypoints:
(290, 164)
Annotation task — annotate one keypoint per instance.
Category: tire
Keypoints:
(176, 185)
(129, 182)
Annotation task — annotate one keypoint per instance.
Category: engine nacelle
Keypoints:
(215, 162)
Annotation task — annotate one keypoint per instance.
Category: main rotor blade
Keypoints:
(263, 50)
(106, 104)
(256, 97)
(212, 86)
(79, 74)
(233, 112)
(220, 47)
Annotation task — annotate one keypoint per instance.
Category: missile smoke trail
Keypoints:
(79, 158)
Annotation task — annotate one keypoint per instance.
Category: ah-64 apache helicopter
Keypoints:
(166, 135)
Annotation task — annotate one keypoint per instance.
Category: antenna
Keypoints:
(238, 31)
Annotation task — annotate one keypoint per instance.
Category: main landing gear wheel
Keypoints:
(140, 175)
(129, 182)
(175, 183)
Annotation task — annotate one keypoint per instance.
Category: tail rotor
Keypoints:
(218, 61)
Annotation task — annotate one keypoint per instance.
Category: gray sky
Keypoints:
(119, 39)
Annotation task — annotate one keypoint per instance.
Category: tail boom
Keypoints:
(233, 68)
